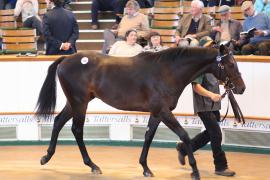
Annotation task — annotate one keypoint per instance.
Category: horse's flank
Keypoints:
(134, 83)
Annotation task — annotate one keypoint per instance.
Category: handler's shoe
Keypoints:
(181, 156)
(225, 172)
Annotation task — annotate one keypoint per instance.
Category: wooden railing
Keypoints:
(14, 58)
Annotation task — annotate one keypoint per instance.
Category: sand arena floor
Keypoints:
(121, 163)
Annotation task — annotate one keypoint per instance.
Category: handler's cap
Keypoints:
(224, 9)
(246, 5)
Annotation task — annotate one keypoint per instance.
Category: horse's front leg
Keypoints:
(59, 121)
(77, 130)
(171, 122)
(149, 135)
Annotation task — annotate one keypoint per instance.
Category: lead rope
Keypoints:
(223, 96)
(235, 107)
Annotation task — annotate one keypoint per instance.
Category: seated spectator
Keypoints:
(104, 5)
(193, 26)
(260, 43)
(60, 29)
(154, 43)
(29, 10)
(262, 6)
(134, 19)
(127, 48)
(142, 3)
(226, 29)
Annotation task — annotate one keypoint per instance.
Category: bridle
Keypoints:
(229, 86)
(228, 81)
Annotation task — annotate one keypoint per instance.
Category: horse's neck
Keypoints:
(202, 66)
(194, 69)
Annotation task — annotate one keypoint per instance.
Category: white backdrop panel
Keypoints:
(21, 83)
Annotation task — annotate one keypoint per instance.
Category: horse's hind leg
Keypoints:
(79, 112)
(170, 121)
(149, 135)
(59, 121)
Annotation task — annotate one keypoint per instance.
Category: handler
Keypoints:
(206, 102)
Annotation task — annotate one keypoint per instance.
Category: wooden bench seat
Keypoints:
(18, 41)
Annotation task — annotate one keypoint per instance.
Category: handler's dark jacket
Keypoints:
(202, 103)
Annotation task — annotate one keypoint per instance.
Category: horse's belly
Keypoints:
(126, 103)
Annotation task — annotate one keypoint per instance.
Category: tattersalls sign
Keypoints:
(134, 119)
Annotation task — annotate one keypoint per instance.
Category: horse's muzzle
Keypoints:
(239, 90)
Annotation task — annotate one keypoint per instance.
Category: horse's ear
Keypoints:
(222, 49)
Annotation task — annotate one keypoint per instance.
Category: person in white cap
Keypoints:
(226, 29)
(260, 43)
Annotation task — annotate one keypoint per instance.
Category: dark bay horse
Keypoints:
(148, 82)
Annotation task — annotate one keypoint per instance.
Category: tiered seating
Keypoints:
(147, 11)
(165, 20)
(167, 4)
(90, 39)
(167, 36)
(42, 4)
(18, 41)
(7, 19)
(42, 8)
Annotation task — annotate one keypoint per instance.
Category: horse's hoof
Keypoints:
(44, 160)
(195, 176)
(96, 170)
(148, 174)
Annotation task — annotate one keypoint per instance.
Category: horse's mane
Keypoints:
(173, 54)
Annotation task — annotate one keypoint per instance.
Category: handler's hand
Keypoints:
(216, 97)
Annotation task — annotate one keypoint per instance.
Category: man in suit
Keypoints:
(60, 29)
(193, 26)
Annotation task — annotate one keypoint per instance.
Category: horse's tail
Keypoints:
(47, 96)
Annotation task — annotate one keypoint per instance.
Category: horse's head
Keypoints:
(228, 70)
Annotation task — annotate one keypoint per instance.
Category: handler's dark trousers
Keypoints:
(213, 134)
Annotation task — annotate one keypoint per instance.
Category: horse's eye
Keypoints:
(231, 65)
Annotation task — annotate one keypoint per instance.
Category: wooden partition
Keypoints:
(19, 40)
(7, 19)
